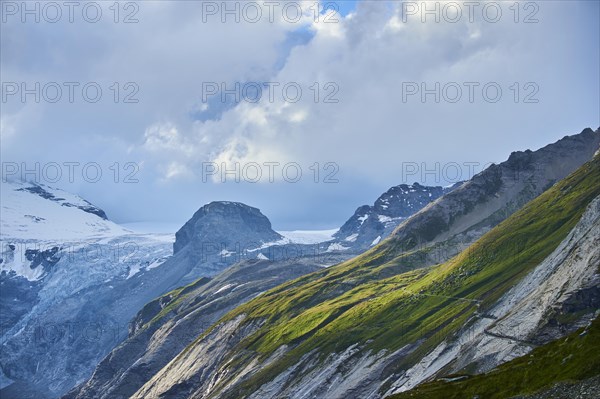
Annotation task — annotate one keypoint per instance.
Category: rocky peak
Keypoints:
(224, 222)
(495, 193)
(370, 224)
(404, 200)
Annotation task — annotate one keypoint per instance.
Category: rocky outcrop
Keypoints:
(465, 214)
(165, 326)
(82, 205)
(225, 224)
(586, 389)
(564, 284)
(370, 224)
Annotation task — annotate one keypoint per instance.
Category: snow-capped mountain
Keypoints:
(33, 211)
(370, 224)
(40, 225)
(59, 252)
(71, 280)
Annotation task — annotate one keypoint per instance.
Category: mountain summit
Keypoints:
(370, 224)
(225, 223)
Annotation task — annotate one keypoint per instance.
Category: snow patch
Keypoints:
(376, 241)
(384, 219)
(223, 288)
(27, 215)
(336, 247)
(308, 236)
(225, 253)
(352, 238)
(363, 218)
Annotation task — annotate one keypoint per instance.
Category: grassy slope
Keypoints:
(171, 300)
(575, 357)
(356, 301)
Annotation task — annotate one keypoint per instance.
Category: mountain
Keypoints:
(399, 314)
(370, 224)
(41, 225)
(560, 369)
(71, 280)
(558, 296)
(169, 323)
(54, 298)
(60, 256)
(36, 212)
(222, 223)
(446, 227)
(221, 234)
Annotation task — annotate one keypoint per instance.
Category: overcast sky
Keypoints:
(342, 99)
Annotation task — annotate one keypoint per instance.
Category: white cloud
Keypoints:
(368, 55)
(7, 126)
(165, 137)
(175, 169)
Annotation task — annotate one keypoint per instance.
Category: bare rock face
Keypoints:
(370, 224)
(165, 326)
(494, 194)
(225, 223)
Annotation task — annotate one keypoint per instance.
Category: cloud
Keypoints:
(161, 137)
(354, 109)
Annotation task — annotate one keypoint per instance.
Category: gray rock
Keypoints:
(157, 338)
(586, 389)
(225, 224)
(469, 211)
(370, 224)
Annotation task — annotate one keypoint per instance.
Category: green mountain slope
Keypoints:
(573, 358)
(420, 307)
